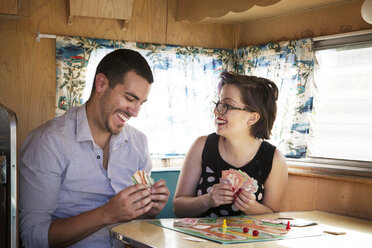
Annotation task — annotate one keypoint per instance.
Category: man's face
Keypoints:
(124, 101)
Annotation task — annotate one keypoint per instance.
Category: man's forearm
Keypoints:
(64, 232)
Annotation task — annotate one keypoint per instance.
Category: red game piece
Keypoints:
(255, 233)
(245, 229)
(288, 226)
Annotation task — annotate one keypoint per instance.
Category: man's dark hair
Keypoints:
(118, 63)
(258, 94)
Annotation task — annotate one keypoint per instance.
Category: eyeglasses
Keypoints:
(222, 108)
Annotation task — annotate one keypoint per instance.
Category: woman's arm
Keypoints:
(276, 183)
(185, 203)
(275, 187)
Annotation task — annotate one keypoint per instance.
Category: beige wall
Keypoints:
(27, 68)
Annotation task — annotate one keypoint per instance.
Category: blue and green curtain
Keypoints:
(290, 65)
(185, 81)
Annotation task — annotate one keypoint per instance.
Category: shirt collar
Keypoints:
(83, 132)
(119, 139)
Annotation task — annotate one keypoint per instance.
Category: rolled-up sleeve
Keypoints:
(40, 181)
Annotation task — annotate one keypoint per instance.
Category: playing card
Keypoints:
(141, 177)
(235, 178)
(149, 180)
(239, 180)
(186, 222)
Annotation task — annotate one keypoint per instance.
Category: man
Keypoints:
(75, 170)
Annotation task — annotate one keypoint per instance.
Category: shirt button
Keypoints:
(98, 156)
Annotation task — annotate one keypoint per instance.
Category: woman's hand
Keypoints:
(244, 200)
(220, 194)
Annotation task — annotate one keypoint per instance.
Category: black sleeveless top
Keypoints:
(212, 165)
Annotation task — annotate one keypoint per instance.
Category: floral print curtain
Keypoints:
(290, 65)
(185, 81)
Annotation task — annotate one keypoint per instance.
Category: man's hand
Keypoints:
(128, 204)
(159, 196)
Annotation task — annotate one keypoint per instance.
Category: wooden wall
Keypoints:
(27, 67)
(318, 22)
(340, 195)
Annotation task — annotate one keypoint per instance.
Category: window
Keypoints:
(341, 121)
(178, 107)
(178, 112)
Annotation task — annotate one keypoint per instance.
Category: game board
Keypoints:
(211, 229)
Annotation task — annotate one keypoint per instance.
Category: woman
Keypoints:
(244, 117)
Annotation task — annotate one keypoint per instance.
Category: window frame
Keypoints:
(326, 166)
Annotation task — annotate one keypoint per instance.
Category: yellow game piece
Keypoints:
(224, 224)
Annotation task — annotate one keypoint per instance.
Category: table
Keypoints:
(139, 233)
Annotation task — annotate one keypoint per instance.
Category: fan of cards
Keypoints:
(141, 177)
(239, 180)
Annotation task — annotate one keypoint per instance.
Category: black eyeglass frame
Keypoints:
(228, 107)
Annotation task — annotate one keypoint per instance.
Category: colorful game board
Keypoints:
(240, 229)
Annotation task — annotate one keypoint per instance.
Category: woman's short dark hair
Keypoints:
(118, 63)
(258, 94)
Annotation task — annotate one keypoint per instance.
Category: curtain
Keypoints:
(185, 81)
(289, 64)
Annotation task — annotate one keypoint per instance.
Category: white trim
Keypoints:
(342, 35)
(44, 36)
(319, 38)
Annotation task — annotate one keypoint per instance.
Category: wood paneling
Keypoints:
(28, 73)
(194, 34)
(9, 7)
(319, 22)
(14, 9)
(111, 9)
(344, 197)
(299, 195)
(149, 21)
(312, 192)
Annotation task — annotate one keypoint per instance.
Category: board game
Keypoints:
(238, 229)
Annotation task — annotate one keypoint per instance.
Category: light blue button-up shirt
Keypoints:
(62, 175)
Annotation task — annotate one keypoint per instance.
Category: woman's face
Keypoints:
(233, 122)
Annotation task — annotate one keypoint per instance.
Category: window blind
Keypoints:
(341, 122)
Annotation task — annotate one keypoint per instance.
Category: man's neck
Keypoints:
(100, 135)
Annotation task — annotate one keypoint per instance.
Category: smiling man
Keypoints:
(75, 170)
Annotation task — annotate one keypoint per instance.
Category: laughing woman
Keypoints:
(244, 117)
